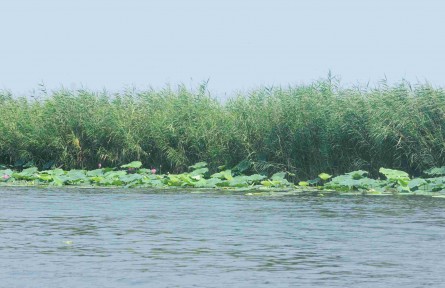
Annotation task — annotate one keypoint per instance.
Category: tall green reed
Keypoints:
(305, 129)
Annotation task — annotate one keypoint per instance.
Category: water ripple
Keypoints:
(130, 238)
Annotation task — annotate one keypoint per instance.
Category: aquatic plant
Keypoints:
(355, 180)
(304, 129)
(133, 175)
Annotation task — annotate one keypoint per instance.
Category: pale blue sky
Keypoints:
(236, 44)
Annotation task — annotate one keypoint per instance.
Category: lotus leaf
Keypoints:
(357, 174)
(435, 171)
(130, 178)
(45, 177)
(255, 178)
(213, 182)
(392, 174)
(324, 176)
(226, 174)
(187, 179)
(200, 183)
(114, 174)
(173, 180)
(75, 176)
(134, 164)
(239, 181)
(54, 172)
(200, 171)
(96, 172)
(278, 176)
(198, 165)
(26, 174)
(417, 183)
(275, 183)
(58, 180)
(153, 183)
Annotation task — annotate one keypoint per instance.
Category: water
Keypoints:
(131, 238)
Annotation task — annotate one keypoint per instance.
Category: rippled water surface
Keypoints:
(131, 238)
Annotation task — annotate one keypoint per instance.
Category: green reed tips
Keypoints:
(305, 129)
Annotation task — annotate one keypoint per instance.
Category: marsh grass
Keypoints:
(306, 129)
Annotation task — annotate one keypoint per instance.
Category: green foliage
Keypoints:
(134, 164)
(277, 180)
(417, 183)
(95, 173)
(397, 177)
(305, 129)
(392, 174)
(226, 175)
(397, 181)
(279, 176)
(200, 171)
(324, 176)
(139, 178)
(354, 180)
(436, 171)
(359, 174)
(26, 174)
(198, 165)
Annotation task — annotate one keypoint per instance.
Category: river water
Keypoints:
(135, 238)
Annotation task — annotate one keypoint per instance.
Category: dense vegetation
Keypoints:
(305, 130)
(394, 182)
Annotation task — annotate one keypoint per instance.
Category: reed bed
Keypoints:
(304, 129)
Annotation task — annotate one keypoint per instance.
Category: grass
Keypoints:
(305, 130)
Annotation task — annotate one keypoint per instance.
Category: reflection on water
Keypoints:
(128, 238)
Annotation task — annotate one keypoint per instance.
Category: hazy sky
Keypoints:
(237, 44)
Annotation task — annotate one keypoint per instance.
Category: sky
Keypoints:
(235, 45)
